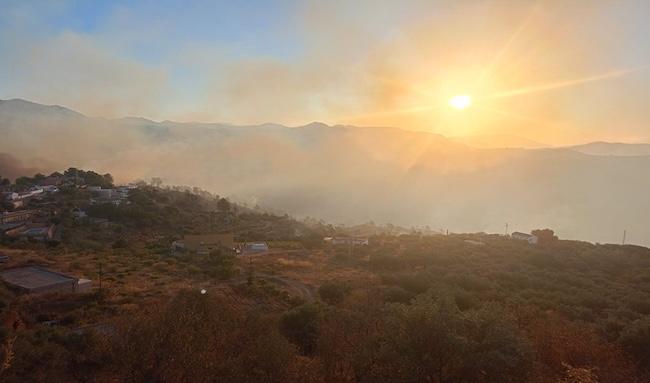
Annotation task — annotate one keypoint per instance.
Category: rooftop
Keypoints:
(33, 277)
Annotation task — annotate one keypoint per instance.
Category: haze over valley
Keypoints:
(351, 175)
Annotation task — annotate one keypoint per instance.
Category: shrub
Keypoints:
(220, 264)
(300, 326)
(395, 294)
(635, 340)
(120, 244)
(432, 340)
(333, 293)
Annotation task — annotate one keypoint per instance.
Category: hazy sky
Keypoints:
(553, 71)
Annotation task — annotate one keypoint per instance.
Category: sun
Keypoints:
(460, 102)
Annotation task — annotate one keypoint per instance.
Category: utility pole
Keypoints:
(250, 278)
(100, 277)
(506, 229)
(624, 235)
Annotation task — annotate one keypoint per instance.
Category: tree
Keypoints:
(223, 205)
(200, 338)
(221, 264)
(300, 326)
(432, 340)
(636, 341)
(89, 177)
(350, 343)
(24, 182)
(38, 178)
(332, 293)
(108, 179)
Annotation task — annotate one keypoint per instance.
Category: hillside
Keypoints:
(497, 141)
(308, 310)
(351, 175)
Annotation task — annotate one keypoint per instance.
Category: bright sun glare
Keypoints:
(460, 102)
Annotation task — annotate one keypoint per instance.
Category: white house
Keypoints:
(532, 239)
(256, 247)
(49, 188)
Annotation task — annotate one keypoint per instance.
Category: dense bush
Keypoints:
(198, 338)
(300, 326)
(220, 264)
(636, 340)
(333, 292)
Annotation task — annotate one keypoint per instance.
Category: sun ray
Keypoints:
(564, 84)
(496, 60)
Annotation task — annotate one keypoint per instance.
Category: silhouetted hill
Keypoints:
(496, 141)
(19, 108)
(613, 149)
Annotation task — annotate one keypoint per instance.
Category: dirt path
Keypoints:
(299, 288)
(291, 285)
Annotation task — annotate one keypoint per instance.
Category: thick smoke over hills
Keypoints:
(347, 174)
(11, 167)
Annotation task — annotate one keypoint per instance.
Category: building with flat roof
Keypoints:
(352, 241)
(204, 244)
(36, 279)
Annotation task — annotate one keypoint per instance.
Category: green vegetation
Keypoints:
(177, 212)
(405, 308)
(332, 292)
(635, 340)
(88, 177)
(300, 325)
(220, 264)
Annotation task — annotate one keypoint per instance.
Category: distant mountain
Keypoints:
(496, 141)
(612, 149)
(18, 108)
(347, 174)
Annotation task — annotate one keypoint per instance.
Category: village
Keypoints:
(33, 211)
(50, 212)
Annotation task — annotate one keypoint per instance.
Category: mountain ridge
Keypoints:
(347, 174)
(475, 141)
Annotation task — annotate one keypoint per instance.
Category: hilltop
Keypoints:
(612, 149)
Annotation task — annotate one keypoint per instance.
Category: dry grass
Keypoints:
(136, 278)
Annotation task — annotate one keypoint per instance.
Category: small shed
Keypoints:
(256, 247)
(35, 279)
(204, 244)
